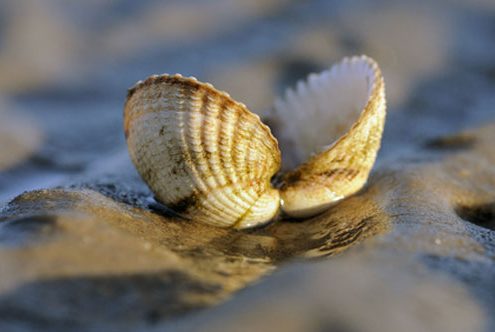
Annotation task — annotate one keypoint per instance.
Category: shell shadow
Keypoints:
(482, 215)
(451, 143)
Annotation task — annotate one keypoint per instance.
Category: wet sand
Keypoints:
(83, 245)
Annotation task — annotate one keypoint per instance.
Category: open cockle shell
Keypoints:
(332, 125)
(203, 154)
(208, 158)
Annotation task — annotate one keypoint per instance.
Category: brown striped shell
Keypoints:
(208, 158)
(203, 154)
(333, 126)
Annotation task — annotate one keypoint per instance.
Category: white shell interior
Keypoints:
(323, 108)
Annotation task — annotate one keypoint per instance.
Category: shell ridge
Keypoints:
(242, 149)
(227, 155)
(201, 164)
(226, 199)
(238, 169)
(190, 150)
(234, 153)
(344, 165)
(238, 222)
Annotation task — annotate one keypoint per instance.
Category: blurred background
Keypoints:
(65, 67)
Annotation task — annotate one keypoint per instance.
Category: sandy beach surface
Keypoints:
(84, 247)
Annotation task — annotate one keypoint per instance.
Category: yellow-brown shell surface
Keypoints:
(208, 158)
(339, 115)
(202, 154)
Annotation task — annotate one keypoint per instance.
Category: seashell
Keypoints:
(203, 154)
(344, 106)
(209, 159)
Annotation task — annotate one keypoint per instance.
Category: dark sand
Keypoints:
(86, 249)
